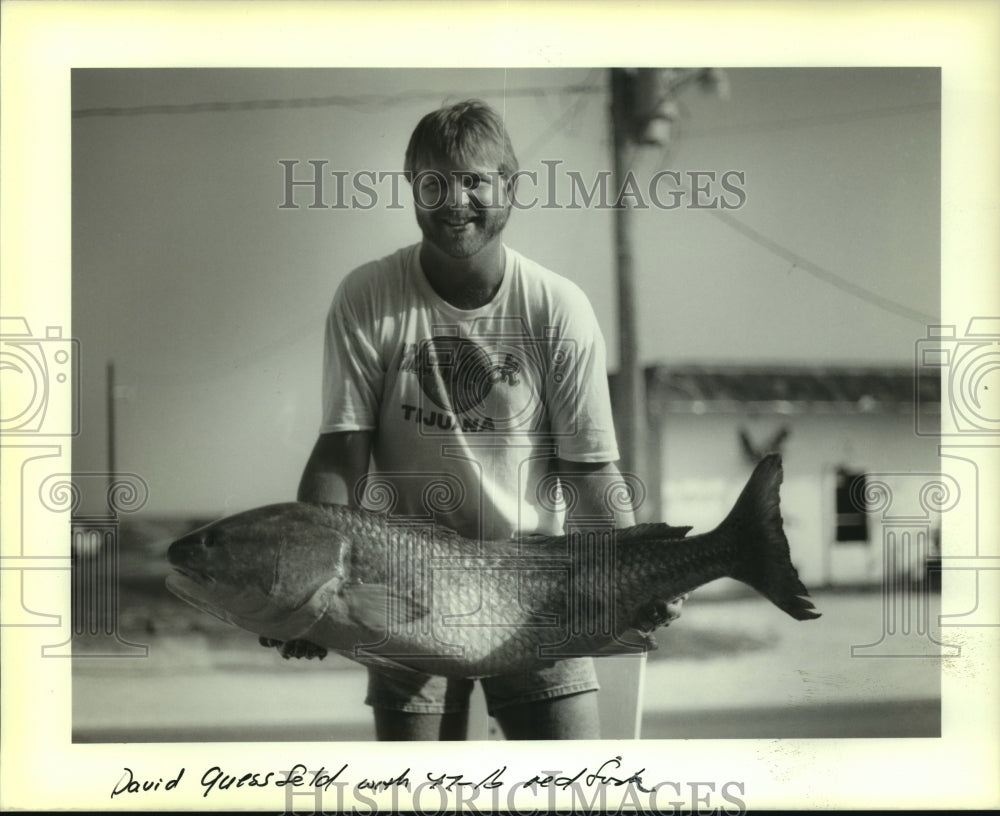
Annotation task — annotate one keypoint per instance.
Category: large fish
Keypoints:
(383, 592)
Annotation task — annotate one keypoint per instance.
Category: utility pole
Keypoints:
(642, 110)
(110, 395)
(631, 419)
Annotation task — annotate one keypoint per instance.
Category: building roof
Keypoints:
(787, 390)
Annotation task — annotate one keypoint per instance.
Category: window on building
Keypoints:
(852, 519)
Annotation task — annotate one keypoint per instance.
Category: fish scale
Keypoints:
(418, 596)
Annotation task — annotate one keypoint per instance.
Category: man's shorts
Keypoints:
(419, 693)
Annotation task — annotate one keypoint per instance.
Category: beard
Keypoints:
(462, 233)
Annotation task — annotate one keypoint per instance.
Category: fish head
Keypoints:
(239, 568)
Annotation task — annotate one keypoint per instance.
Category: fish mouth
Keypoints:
(187, 584)
(189, 558)
(248, 610)
(192, 591)
(191, 575)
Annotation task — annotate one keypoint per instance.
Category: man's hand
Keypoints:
(294, 648)
(658, 613)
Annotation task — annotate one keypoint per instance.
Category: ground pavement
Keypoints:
(730, 668)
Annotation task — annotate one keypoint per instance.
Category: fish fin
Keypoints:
(651, 531)
(766, 564)
(639, 533)
(374, 606)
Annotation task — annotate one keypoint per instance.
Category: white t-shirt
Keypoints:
(470, 408)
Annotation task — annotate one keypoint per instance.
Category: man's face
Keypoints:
(460, 209)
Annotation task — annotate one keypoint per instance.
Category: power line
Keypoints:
(568, 116)
(817, 271)
(822, 274)
(388, 100)
(312, 102)
(818, 120)
(573, 110)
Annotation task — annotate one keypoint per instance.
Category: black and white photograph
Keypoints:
(628, 400)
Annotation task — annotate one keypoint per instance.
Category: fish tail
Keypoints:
(765, 561)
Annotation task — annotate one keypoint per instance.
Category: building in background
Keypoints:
(834, 427)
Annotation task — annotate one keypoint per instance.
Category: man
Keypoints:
(458, 364)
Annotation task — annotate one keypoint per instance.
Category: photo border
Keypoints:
(43, 41)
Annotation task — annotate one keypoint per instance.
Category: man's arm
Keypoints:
(590, 482)
(337, 462)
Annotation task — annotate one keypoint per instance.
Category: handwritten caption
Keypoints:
(588, 784)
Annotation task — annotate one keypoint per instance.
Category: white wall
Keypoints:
(704, 469)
